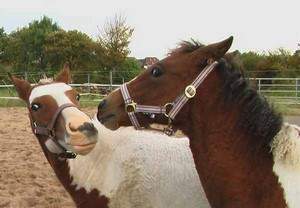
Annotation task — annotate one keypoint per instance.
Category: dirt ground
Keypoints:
(26, 178)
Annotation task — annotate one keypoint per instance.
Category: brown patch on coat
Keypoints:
(71, 94)
(48, 107)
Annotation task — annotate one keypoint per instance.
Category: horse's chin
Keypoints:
(83, 149)
(112, 124)
(110, 121)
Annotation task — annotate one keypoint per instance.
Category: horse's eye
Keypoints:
(156, 72)
(78, 97)
(35, 106)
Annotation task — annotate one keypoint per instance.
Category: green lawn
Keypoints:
(93, 101)
(85, 101)
(288, 110)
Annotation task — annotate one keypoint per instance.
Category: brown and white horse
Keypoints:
(230, 126)
(124, 169)
(43, 103)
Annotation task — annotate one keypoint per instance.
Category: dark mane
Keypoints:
(186, 47)
(257, 117)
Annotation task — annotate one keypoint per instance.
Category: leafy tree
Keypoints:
(3, 45)
(113, 42)
(129, 69)
(277, 63)
(73, 47)
(26, 45)
(250, 60)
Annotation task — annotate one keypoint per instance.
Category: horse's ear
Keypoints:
(22, 86)
(214, 51)
(64, 76)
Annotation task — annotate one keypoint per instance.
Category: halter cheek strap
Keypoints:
(190, 91)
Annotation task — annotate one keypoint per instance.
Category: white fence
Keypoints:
(279, 90)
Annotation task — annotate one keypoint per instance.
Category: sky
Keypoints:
(257, 25)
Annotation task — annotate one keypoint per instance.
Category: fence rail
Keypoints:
(279, 90)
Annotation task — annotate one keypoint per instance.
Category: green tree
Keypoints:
(26, 45)
(250, 60)
(73, 47)
(3, 45)
(129, 69)
(113, 42)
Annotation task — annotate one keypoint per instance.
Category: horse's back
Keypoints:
(167, 170)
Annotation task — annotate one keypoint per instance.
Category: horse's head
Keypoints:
(54, 113)
(163, 82)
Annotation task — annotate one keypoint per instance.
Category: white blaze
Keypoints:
(55, 90)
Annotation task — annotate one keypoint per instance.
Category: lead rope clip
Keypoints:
(169, 130)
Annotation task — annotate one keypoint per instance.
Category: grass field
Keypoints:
(85, 101)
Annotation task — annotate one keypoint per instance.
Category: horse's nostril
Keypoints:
(73, 127)
(87, 126)
(102, 104)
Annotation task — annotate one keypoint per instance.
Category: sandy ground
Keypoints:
(26, 178)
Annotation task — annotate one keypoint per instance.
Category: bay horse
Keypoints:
(199, 90)
(115, 169)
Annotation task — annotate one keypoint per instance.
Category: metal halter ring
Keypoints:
(168, 107)
(190, 91)
(130, 107)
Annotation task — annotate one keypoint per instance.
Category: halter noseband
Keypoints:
(190, 91)
(49, 132)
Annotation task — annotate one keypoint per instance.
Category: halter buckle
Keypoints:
(168, 131)
(130, 107)
(68, 155)
(168, 107)
(190, 91)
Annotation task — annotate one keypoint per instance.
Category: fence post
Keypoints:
(297, 89)
(259, 83)
(89, 82)
(25, 75)
(110, 80)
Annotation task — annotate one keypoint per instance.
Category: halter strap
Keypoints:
(52, 144)
(190, 91)
(128, 101)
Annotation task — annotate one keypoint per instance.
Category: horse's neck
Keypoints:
(81, 197)
(232, 174)
(97, 170)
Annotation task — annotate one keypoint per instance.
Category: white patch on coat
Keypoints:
(140, 169)
(286, 152)
(55, 90)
